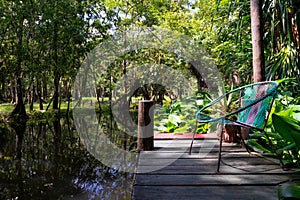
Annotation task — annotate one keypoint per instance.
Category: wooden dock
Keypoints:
(169, 173)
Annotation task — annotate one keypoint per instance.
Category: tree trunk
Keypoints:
(200, 81)
(44, 89)
(19, 107)
(257, 41)
(39, 93)
(31, 98)
(12, 90)
(56, 70)
(2, 84)
(56, 90)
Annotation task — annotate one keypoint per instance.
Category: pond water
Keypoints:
(48, 160)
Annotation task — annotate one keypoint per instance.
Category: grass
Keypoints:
(37, 114)
(6, 108)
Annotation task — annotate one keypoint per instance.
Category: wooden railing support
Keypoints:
(145, 126)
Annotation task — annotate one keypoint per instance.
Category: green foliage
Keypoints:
(283, 127)
(224, 30)
(179, 116)
(289, 192)
(167, 14)
(282, 38)
(44, 42)
(287, 127)
(258, 146)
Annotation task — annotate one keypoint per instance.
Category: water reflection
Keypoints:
(46, 160)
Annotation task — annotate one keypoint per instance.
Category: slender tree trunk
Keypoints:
(2, 88)
(30, 94)
(12, 90)
(31, 98)
(56, 71)
(56, 90)
(257, 40)
(39, 92)
(19, 107)
(200, 81)
(65, 88)
(44, 89)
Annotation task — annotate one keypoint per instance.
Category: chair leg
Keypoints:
(244, 144)
(274, 148)
(220, 146)
(195, 131)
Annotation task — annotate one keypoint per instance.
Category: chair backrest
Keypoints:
(257, 99)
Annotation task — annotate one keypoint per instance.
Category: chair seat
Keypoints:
(255, 103)
(209, 119)
(202, 118)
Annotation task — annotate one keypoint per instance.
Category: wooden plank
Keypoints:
(204, 192)
(162, 155)
(202, 146)
(196, 150)
(186, 143)
(162, 170)
(216, 141)
(170, 172)
(204, 143)
(212, 180)
(184, 136)
(205, 161)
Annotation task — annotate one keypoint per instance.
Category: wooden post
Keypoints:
(145, 126)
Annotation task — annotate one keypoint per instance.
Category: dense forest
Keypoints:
(43, 43)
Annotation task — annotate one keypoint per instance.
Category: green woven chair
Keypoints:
(252, 110)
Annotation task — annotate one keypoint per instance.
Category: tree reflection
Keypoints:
(45, 160)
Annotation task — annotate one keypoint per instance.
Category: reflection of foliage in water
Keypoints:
(54, 165)
(107, 146)
(97, 180)
(110, 128)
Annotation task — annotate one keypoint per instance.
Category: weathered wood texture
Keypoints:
(169, 172)
(145, 126)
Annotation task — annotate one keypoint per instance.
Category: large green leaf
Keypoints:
(286, 148)
(175, 119)
(252, 143)
(287, 127)
(183, 129)
(290, 191)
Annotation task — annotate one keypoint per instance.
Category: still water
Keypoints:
(48, 160)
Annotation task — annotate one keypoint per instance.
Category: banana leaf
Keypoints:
(287, 127)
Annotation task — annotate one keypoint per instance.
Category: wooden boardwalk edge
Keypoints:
(169, 172)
